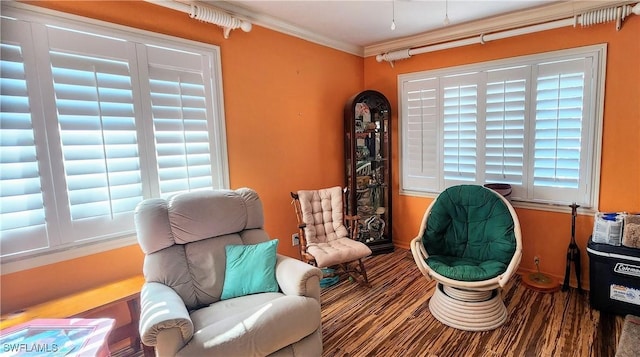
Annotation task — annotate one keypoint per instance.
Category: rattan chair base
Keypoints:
(479, 311)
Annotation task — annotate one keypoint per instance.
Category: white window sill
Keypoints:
(18, 263)
(549, 207)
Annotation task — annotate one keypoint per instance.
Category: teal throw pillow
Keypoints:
(251, 269)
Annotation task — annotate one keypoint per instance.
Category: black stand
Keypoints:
(573, 252)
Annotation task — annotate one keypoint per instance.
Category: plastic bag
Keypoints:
(607, 228)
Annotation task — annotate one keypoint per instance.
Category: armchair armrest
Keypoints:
(303, 243)
(420, 255)
(297, 278)
(351, 222)
(511, 268)
(162, 309)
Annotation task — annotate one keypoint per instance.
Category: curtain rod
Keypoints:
(207, 14)
(587, 19)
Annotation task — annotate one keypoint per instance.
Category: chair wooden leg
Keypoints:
(363, 271)
(360, 272)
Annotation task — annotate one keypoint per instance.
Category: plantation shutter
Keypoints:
(460, 128)
(23, 226)
(93, 90)
(533, 122)
(421, 163)
(505, 110)
(80, 127)
(181, 106)
(559, 116)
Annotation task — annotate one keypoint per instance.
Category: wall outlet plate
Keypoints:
(295, 239)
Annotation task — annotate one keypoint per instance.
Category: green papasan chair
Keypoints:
(470, 243)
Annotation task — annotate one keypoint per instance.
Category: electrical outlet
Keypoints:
(536, 260)
(295, 239)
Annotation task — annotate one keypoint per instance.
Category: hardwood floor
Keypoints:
(392, 318)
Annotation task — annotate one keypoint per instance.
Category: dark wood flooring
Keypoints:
(392, 318)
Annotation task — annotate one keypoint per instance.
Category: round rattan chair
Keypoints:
(470, 243)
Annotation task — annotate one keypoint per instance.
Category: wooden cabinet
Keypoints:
(367, 117)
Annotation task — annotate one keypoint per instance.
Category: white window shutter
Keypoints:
(460, 129)
(559, 115)
(505, 110)
(420, 127)
(80, 119)
(96, 114)
(533, 122)
(182, 118)
(98, 134)
(23, 226)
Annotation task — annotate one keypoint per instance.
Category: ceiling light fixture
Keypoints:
(393, 16)
(446, 13)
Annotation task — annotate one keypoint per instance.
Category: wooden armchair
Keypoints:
(328, 237)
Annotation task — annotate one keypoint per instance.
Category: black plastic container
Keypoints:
(614, 276)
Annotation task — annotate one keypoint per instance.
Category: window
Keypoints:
(95, 120)
(533, 122)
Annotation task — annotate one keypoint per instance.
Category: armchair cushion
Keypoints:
(252, 325)
(338, 251)
(466, 269)
(250, 269)
(323, 215)
(469, 225)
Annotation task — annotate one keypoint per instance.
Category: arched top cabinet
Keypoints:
(367, 119)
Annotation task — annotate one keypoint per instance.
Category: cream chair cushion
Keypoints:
(327, 237)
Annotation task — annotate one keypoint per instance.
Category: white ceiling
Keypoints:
(362, 23)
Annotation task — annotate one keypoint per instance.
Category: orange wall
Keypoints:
(283, 101)
(545, 234)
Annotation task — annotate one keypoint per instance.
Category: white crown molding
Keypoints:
(546, 13)
(512, 20)
(542, 14)
(286, 28)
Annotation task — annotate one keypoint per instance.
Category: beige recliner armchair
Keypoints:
(186, 241)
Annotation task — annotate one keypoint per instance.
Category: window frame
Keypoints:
(217, 129)
(596, 108)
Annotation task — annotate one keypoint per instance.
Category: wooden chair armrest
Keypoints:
(351, 221)
(349, 217)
